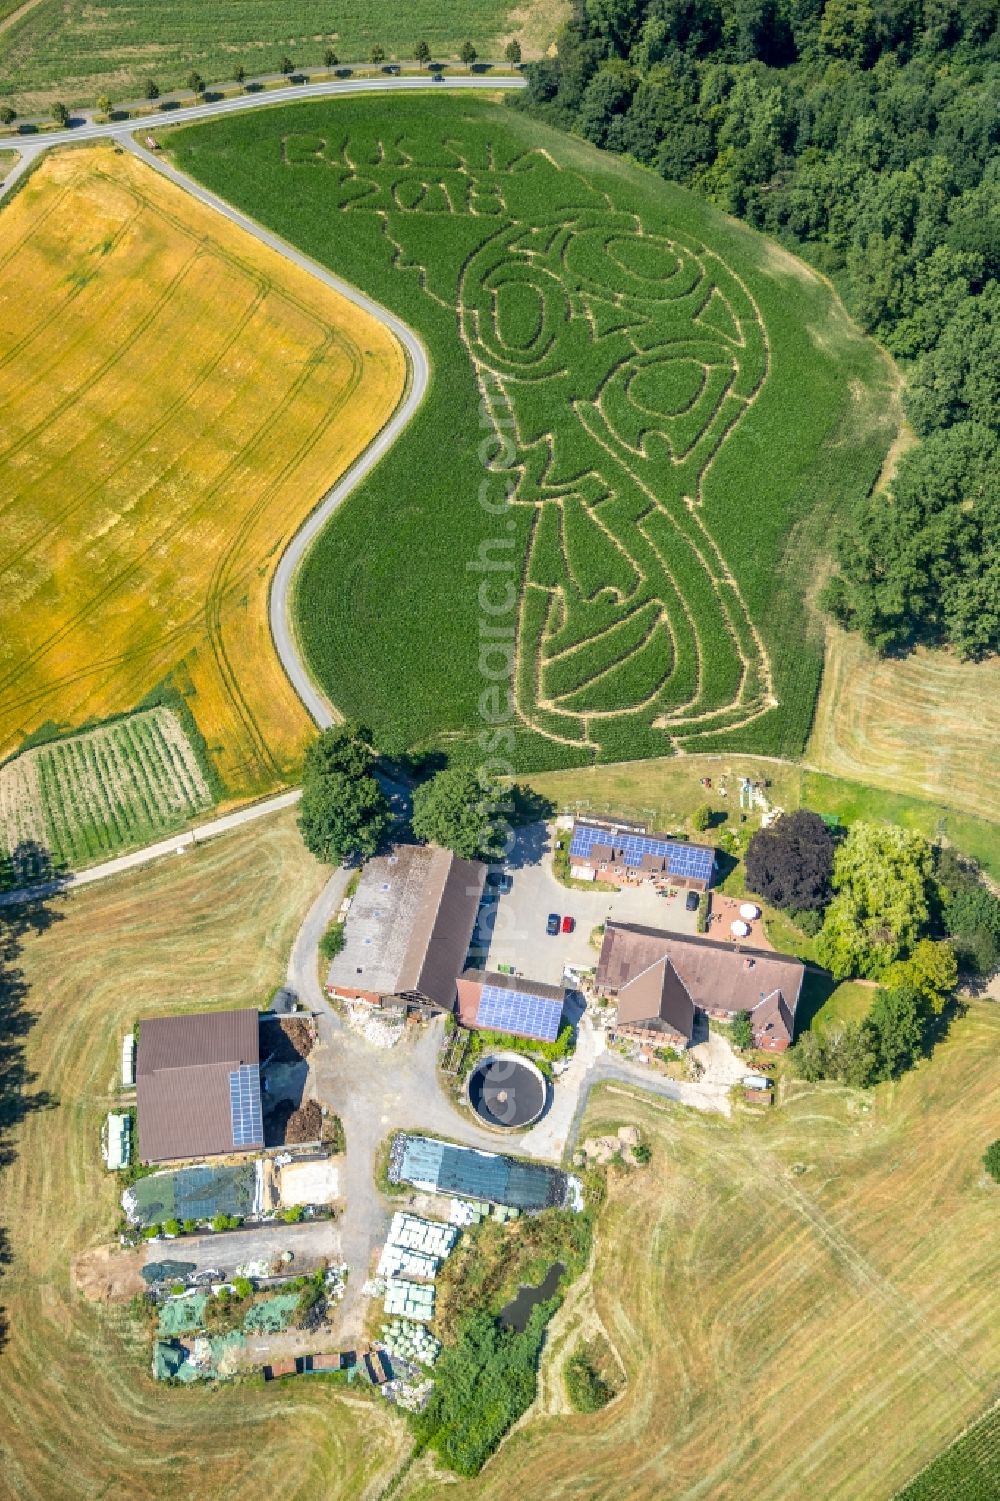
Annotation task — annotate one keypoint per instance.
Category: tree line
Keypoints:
(864, 135)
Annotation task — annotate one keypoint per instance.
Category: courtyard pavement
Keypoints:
(512, 927)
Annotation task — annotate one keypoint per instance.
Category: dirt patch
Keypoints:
(107, 1274)
(783, 263)
(904, 440)
(288, 1040)
(304, 1124)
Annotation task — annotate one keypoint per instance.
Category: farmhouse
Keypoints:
(409, 928)
(624, 855)
(661, 980)
(198, 1086)
(503, 1003)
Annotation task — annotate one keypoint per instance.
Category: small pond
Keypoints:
(515, 1314)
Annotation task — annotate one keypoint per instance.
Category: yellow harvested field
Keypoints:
(177, 398)
(926, 724)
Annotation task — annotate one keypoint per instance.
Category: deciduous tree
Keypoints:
(790, 863)
(881, 876)
(463, 810)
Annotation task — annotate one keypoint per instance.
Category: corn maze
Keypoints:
(625, 361)
(91, 795)
(615, 335)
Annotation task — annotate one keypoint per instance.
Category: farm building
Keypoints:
(661, 979)
(409, 927)
(503, 1003)
(198, 1086)
(623, 855)
(487, 1177)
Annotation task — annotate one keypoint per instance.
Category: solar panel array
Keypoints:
(502, 1010)
(244, 1106)
(692, 860)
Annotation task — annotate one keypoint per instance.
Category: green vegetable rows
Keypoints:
(676, 414)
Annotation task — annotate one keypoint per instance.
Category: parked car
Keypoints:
(569, 923)
(500, 881)
(691, 901)
(552, 926)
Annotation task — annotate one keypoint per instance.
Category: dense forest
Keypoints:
(862, 133)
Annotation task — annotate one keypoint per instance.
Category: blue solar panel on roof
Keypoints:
(244, 1106)
(682, 859)
(514, 1011)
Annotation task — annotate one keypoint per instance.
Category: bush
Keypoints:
(177, 1288)
(243, 1288)
(585, 1386)
(172, 1227)
(333, 940)
(741, 1030)
(293, 1214)
(189, 1226)
(226, 1222)
(643, 1153)
(991, 1160)
(482, 1385)
(701, 818)
(150, 1232)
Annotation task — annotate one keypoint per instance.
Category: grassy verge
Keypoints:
(666, 792)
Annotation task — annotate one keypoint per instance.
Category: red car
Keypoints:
(569, 923)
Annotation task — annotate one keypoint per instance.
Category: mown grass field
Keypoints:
(806, 1305)
(89, 796)
(925, 724)
(80, 1416)
(176, 401)
(688, 408)
(74, 51)
(968, 1471)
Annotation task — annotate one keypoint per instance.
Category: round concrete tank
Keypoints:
(507, 1091)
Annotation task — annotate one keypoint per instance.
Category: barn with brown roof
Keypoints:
(409, 928)
(661, 980)
(197, 1083)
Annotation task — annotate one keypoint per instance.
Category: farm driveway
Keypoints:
(310, 1244)
(512, 928)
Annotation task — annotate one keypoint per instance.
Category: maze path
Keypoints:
(621, 362)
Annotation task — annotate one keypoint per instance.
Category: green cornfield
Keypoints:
(674, 408)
